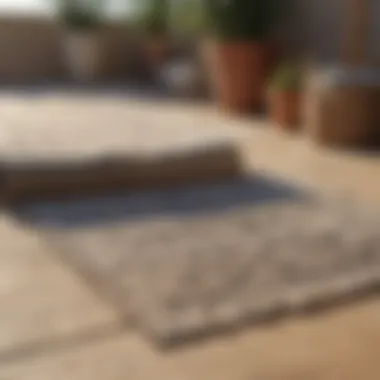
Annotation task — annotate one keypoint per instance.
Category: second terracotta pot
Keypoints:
(237, 71)
(284, 108)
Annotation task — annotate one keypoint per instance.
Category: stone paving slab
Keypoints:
(40, 300)
(71, 142)
(181, 276)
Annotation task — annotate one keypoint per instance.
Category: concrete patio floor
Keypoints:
(54, 326)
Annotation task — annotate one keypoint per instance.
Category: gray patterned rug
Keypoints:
(182, 267)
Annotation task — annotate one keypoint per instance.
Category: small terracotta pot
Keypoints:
(237, 74)
(284, 109)
(156, 51)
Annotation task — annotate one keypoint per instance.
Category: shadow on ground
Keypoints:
(180, 202)
(141, 91)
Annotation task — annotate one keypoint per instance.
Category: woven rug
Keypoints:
(182, 274)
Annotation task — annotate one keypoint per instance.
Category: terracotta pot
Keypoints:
(237, 74)
(284, 108)
(156, 52)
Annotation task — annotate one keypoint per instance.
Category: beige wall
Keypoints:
(317, 27)
(320, 27)
(30, 49)
(374, 40)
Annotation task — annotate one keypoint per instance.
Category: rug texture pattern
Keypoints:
(182, 276)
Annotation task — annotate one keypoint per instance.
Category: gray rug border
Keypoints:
(314, 299)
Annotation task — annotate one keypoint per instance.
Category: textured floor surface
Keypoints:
(186, 271)
(40, 302)
(48, 300)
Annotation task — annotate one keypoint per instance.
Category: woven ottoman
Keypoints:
(341, 107)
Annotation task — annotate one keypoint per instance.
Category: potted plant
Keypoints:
(240, 32)
(83, 44)
(285, 96)
(155, 25)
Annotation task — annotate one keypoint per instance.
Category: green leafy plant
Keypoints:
(187, 16)
(80, 15)
(287, 77)
(242, 19)
(155, 17)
